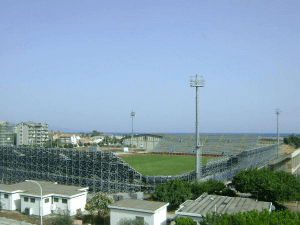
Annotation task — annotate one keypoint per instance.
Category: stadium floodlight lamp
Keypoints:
(195, 82)
(132, 114)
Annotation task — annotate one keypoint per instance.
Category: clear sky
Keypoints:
(85, 64)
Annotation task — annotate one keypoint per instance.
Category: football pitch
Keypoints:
(162, 165)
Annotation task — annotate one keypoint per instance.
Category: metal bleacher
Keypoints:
(213, 144)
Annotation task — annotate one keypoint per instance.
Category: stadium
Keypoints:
(105, 171)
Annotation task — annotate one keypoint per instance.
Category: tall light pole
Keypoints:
(195, 82)
(132, 114)
(41, 200)
(277, 111)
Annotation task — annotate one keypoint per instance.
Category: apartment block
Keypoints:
(31, 133)
(6, 133)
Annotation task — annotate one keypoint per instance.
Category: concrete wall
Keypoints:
(116, 215)
(159, 218)
(147, 142)
(34, 206)
(289, 163)
(72, 204)
(13, 201)
(77, 203)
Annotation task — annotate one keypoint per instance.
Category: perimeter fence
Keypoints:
(104, 171)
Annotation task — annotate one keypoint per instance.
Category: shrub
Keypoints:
(184, 221)
(63, 218)
(126, 221)
(253, 217)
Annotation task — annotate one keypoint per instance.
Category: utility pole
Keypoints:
(277, 111)
(132, 114)
(194, 82)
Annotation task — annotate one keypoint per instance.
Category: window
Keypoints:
(5, 195)
(32, 200)
(64, 201)
(55, 199)
(25, 199)
(139, 219)
(46, 200)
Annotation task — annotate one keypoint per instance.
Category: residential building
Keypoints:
(6, 133)
(150, 212)
(26, 196)
(31, 133)
(205, 204)
(68, 138)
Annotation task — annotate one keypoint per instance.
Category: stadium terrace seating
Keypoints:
(214, 144)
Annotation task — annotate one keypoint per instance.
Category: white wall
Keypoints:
(15, 201)
(160, 217)
(77, 203)
(74, 203)
(116, 215)
(6, 202)
(35, 207)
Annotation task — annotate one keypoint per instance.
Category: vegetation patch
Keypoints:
(162, 165)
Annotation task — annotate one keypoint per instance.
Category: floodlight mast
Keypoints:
(195, 82)
(277, 111)
(132, 114)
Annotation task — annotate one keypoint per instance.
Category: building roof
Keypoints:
(222, 204)
(138, 205)
(47, 188)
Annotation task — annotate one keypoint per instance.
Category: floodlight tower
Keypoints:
(277, 111)
(195, 82)
(132, 114)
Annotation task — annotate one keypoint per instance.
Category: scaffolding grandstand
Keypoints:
(104, 171)
(216, 145)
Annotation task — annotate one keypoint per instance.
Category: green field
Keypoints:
(162, 165)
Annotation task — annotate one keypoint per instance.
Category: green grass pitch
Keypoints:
(162, 165)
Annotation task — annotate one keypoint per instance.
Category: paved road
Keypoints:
(4, 221)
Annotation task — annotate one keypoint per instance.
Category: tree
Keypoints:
(99, 203)
(174, 192)
(95, 133)
(292, 140)
(268, 185)
(211, 187)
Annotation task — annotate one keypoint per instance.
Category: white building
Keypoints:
(153, 213)
(26, 196)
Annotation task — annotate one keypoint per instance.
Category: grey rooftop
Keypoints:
(47, 187)
(222, 204)
(138, 205)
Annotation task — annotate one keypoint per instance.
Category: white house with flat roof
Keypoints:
(26, 198)
(153, 213)
(205, 204)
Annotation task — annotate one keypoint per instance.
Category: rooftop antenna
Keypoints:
(132, 114)
(277, 111)
(195, 82)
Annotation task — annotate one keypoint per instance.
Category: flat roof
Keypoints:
(138, 205)
(206, 204)
(47, 188)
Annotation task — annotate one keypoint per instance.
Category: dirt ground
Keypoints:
(15, 215)
(293, 206)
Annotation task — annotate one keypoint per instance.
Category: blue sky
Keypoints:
(84, 65)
